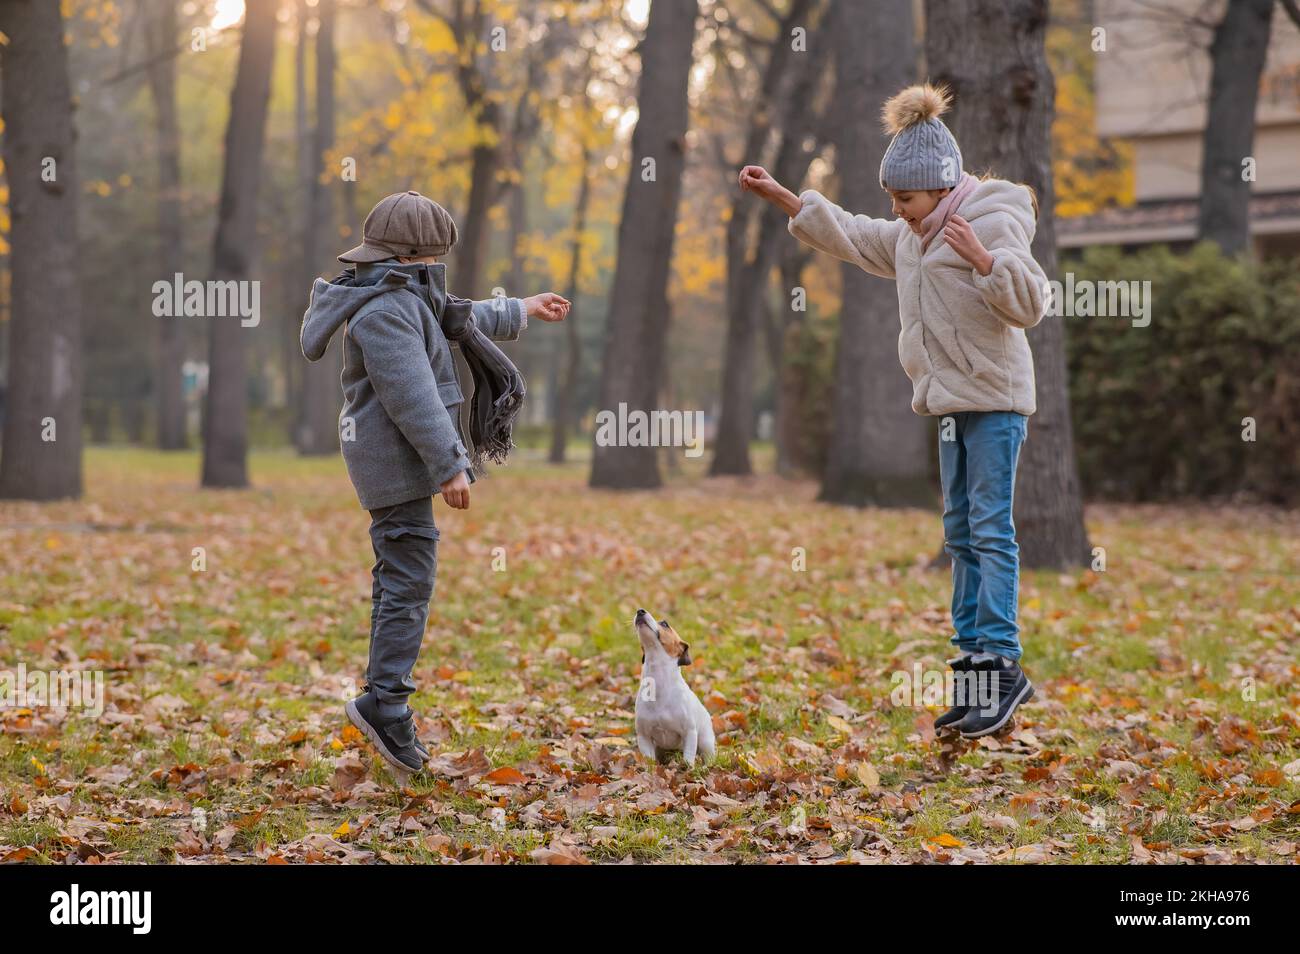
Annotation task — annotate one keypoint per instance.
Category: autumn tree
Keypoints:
(320, 397)
(755, 229)
(41, 457)
(225, 432)
(632, 373)
(160, 28)
(497, 54)
(583, 110)
(1090, 172)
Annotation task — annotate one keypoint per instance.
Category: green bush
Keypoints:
(1159, 411)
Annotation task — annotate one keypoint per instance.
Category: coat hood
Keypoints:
(335, 303)
(999, 195)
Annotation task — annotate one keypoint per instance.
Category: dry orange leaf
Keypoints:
(505, 775)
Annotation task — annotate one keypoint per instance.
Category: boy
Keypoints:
(399, 433)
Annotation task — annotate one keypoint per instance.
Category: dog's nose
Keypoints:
(641, 614)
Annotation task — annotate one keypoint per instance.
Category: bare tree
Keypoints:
(301, 268)
(632, 372)
(225, 431)
(879, 453)
(474, 77)
(991, 54)
(1237, 56)
(320, 395)
(751, 249)
(42, 436)
(477, 75)
(161, 30)
(801, 140)
(566, 396)
(793, 446)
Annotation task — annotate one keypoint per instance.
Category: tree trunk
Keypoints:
(517, 227)
(299, 270)
(748, 267)
(322, 397)
(568, 384)
(225, 439)
(633, 366)
(1237, 62)
(302, 270)
(991, 54)
(42, 427)
(169, 393)
(879, 449)
(471, 250)
(790, 456)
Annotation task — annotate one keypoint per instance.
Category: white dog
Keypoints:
(668, 715)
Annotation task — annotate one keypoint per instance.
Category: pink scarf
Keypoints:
(947, 207)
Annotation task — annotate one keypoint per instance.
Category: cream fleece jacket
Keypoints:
(963, 334)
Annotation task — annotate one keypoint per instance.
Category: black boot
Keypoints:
(394, 737)
(1010, 687)
(958, 712)
(420, 746)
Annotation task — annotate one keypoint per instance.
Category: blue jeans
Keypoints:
(977, 467)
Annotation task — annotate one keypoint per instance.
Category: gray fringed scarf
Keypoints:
(499, 387)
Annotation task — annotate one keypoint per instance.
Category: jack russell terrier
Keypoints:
(668, 715)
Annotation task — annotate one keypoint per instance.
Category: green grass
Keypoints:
(535, 668)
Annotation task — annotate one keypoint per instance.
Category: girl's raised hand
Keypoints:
(962, 239)
(757, 180)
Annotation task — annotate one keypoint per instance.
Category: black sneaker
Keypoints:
(423, 749)
(957, 712)
(1010, 687)
(393, 737)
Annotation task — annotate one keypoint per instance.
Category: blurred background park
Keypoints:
(223, 140)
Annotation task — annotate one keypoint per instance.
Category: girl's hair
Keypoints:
(1033, 196)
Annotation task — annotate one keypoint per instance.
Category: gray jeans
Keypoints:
(405, 542)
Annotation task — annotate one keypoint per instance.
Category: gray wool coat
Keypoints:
(401, 394)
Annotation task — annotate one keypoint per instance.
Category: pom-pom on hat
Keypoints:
(923, 153)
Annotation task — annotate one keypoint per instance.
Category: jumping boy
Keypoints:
(399, 433)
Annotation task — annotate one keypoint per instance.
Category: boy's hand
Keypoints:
(456, 492)
(547, 306)
(757, 180)
(962, 239)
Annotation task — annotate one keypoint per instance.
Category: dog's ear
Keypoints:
(685, 658)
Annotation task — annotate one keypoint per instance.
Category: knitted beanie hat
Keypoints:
(923, 153)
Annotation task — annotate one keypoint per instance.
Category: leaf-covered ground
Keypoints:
(1164, 729)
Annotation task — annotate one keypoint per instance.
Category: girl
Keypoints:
(968, 288)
